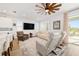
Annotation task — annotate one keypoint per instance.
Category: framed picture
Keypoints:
(56, 25)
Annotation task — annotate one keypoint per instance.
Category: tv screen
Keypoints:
(28, 26)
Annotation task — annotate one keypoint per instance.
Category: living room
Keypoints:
(27, 31)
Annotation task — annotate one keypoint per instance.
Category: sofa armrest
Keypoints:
(60, 51)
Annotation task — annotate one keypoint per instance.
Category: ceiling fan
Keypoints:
(48, 8)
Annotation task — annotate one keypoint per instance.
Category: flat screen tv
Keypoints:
(28, 26)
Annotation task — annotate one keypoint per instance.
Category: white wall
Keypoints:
(47, 23)
(5, 22)
(19, 25)
(59, 16)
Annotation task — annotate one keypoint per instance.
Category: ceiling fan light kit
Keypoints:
(48, 8)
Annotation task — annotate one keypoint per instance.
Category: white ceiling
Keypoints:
(27, 10)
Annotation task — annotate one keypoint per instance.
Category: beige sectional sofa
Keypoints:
(52, 41)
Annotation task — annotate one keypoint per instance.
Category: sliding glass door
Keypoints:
(74, 30)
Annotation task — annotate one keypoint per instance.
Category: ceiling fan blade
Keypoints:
(47, 5)
(56, 9)
(53, 11)
(39, 9)
(57, 5)
(43, 4)
(53, 4)
(40, 12)
(49, 13)
(39, 6)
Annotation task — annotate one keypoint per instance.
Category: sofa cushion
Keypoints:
(43, 35)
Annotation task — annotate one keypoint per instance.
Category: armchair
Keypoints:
(20, 35)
